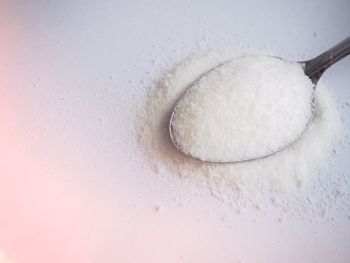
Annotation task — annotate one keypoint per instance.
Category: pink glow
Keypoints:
(48, 218)
(41, 217)
(45, 217)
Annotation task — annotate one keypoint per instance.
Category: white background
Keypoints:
(72, 187)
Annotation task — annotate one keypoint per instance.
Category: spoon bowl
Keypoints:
(313, 69)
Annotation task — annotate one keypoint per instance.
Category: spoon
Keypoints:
(313, 69)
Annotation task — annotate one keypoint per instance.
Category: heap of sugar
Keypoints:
(295, 178)
(247, 108)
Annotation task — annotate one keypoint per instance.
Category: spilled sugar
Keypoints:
(246, 108)
(295, 179)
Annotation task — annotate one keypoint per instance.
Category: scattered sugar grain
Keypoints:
(277, 177)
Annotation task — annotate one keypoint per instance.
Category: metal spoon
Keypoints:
(313, 68)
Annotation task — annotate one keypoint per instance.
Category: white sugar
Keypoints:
(246, 108)
(290, 178)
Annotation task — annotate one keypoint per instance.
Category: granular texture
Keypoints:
(244, 109)
(295, 178)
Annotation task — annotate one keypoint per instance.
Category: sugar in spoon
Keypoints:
(313, 69)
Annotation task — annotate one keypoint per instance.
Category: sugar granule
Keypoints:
(291, 177)
(244, 109)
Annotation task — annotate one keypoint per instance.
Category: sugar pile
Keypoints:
(249, 107)
(290, 179)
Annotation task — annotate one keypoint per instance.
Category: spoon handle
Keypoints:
(315, 67)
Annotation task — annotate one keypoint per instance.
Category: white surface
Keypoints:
(71, 187)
